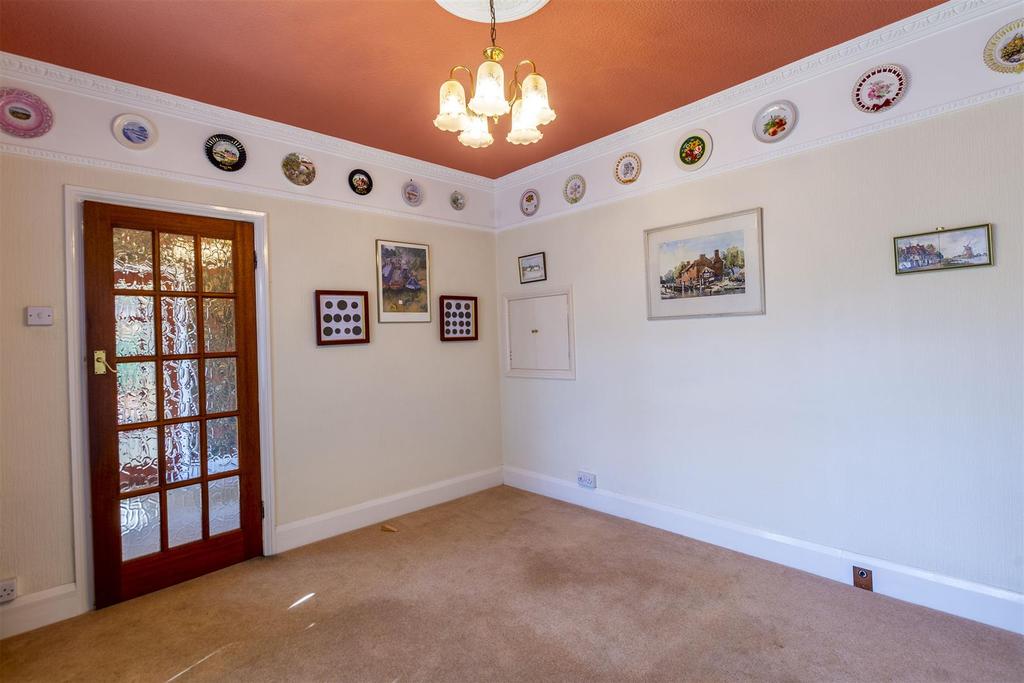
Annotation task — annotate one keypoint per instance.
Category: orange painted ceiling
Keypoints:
(369, 70)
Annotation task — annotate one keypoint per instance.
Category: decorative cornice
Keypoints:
(232, 185)
(81, 83)
(504, 10)
(632, 191)
(871, 44)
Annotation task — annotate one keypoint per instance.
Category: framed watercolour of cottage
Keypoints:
(458, 318)
(944, 249)
(403, 282)
(708, 267)
(341, 317)
(533, 268)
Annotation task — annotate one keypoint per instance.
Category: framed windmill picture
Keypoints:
(403, 282)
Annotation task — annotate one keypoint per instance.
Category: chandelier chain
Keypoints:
(494, 30)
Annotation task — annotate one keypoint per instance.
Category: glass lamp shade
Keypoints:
(452, 113)
(524, 126)
(475, 134)
(535, 99)
(489, 97)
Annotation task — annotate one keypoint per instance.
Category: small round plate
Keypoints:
(225, 152)
(360, 182)
(775, 121)
(1004, 51)
(412, 193)
(134, 131)
(694, 149)
(457, 200)
(23, 114)
(575, 188)
(529, 202)
(627, 168)
(298, 168)
(880, 88)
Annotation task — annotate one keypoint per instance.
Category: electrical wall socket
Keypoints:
(8, 590)
(587, 480)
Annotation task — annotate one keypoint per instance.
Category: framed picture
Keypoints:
(708, 267)
(944, 249)
(403, 282)
(532, 268)
(341, 317)
(458, 318)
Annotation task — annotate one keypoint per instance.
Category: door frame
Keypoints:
(74, 220)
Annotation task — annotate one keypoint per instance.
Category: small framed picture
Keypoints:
(532, 268)
(944, 249)
(459, 318)
(341, 317)
(403, 282)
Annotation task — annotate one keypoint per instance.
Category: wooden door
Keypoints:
(173, 397)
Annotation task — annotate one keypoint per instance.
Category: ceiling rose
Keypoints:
(504, 10)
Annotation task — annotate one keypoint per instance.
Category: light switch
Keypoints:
(38, 315)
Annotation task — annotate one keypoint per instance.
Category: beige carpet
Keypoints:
(505, 585)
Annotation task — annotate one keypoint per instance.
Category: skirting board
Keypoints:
(312, 529)
(34, 610)
(994, 606)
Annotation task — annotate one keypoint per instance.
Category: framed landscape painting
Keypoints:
(944, 249)
(533, 268)
(708, 267)
(403, 282)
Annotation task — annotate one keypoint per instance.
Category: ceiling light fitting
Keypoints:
(527, 100)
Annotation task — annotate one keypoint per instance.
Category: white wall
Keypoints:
(876, 414)
(351, 424)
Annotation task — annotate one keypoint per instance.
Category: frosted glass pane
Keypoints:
(133, 326)
(221, 445)
(133, 259)
(184, 515)
(224, 506)
(181, 451)
(136, 392)
(179, 330)
(181, 388)
(218, 266)
(221, 385)
(140, 526)
(137, 455)
(177, 263)
(219, 325)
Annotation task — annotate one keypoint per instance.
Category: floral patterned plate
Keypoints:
(880, 88)
(575, 188)
(1004, 51)
(775, 121)
(694, 149)
(529, 202)
(627, 168)
(23, 114)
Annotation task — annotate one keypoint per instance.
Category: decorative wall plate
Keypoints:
(575, 188)
(225, 152)
(694, 149)
(23, 114)
(775, 121)
(1005, 49)
(134, 131)
(529, 202)
(627, 168)
(412, 193)
(360, 182)
(457, 200)
(880, 88)
(298, 168)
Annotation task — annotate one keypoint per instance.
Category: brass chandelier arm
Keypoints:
(451, 76)
(515, 88)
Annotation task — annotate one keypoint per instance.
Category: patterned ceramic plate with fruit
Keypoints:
(775, 121)
(880, 88)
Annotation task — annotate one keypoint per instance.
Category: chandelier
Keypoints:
(527, 100)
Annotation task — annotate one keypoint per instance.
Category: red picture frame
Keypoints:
(342, 317)
(459, 318)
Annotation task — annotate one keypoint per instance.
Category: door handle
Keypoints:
(100, 366)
